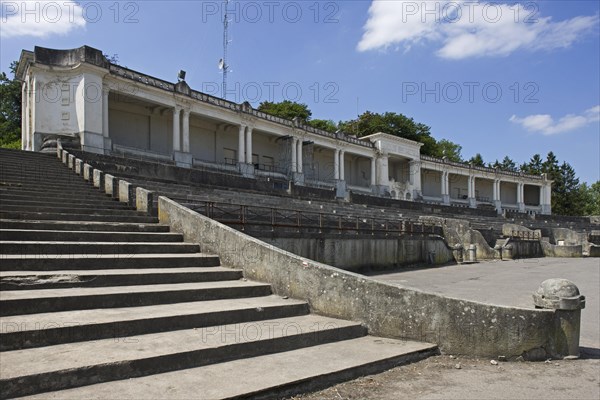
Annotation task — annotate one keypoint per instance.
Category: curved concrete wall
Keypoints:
(358, 253)
(457, 326)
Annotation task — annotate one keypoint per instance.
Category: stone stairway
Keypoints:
(98, 300)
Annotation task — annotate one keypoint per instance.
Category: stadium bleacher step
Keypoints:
(94, 293)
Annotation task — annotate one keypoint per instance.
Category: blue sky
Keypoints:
(499, 78)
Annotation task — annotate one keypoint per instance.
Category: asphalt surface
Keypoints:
(511, 283)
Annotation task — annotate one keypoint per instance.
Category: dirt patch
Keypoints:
(448, 377)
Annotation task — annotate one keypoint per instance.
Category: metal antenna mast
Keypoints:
(223, 64)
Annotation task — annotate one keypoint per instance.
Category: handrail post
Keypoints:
(272, 220)
(320, 222)
(243, 217)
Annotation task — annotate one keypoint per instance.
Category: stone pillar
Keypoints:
(249, 145)
(445, 188)
(564, 298)
(415, 178)
(497, 202)
(471, 187)
(547, 207)
(299, 158)
(521, 196)
(23, 118)
(242, 145)
(105, 121)
(294, 150)
(186, 131)
(336, 165)
(342, 166)
(373, 171)
(181, 154)
(297, 174)
(176, 126)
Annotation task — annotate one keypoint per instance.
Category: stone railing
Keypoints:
(487, 170)
(138, 77)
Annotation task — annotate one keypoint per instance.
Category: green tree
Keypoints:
(286, 109)
(534, 166)
(394, 124)
(10, 110)
(477, 160)
(507, 164)
(448, 149)
(591, 198)
(324, 124)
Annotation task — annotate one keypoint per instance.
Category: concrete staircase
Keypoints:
(98, 300)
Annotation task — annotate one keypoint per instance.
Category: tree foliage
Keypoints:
(590, 196)
(477, 160)
(10, 110)
(324, 124)
(286, 109)
(449, 150)
(394, 124)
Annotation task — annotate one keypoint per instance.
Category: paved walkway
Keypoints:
(511, 283)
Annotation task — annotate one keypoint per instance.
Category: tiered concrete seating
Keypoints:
(99, 300)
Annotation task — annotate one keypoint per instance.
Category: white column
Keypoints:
(186, 131)
(249, 145)
(25, 118)
(299, 159)
(105, 94)
(520, 194)
(496, 187)
(176, 127)
(294, 154)
(336, 165)
(499, 190)
(373, 171)
(342, 167)
(471, 187)
(415, 176)
(548, 190)
(542, 195)
(445, 185)
(242, 145)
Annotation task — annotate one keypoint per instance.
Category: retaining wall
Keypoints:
(353, 253)
(457, 326)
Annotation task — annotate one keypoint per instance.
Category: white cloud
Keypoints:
(545, 124)
(41, 18)
(464, 29)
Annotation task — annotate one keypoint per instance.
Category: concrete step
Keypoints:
(104, 203)
(28, 280)
(65, 184)
(41, 192)
(99, 217)
(79, 364)
(278, 375)
(56, 262)
(37, 330)
(20, 302)
(123, 249)
(87, 236)
(76, 209)
(87, 195)
(82, 226)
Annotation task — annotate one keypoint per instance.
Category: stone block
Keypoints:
(87, 172)
(144, 201)
(111, 186)
(78, 166)
(98, 177)
(126, 192)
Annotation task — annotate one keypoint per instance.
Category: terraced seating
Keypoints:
(100, 300)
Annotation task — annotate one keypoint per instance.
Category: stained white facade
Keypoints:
(114, 110)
